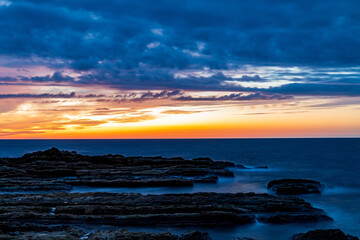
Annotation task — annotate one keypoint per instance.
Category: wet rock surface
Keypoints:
(324, 234)
(55, 170)
(21, 231)
(197, 209)
(127, 235)
(64, 233)
(295, 186)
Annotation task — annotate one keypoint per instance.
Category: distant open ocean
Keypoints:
(334, 162)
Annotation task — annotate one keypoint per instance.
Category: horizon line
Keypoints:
(214, 138)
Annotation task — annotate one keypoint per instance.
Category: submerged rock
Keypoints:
(295, 186)
(324, 234)
(261, 167)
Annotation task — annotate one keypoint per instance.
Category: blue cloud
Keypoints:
(319, 89)
(140, 44)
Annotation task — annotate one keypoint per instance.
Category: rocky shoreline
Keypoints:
(197, 209)
(55, 170)
(52, 212)
(69, 233)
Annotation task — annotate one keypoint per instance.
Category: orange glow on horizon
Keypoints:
(82, 118)
(251, 127)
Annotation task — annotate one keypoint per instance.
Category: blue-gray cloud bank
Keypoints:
(144, 44)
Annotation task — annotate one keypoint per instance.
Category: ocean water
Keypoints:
(334, 162)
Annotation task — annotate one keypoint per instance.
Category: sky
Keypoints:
(179, 69)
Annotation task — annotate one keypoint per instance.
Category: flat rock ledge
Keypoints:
(69, 233)
(134, 209)
(295, 186)
(54, 170)
(324, 234)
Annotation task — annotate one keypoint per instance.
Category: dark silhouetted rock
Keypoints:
(295, 186)
(197, 209)
(18, 231)
(195, 235)
(324, 234)
(65, 233)
(54, 170)
(124, 234)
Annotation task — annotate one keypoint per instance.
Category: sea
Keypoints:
(334, 162)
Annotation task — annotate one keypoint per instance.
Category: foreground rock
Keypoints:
(127, 235)
(69, 233)
(324, 234)
(197, 209)
(295, 186)
(19, 231)
(55, 170)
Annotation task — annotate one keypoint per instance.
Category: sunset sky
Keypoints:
(179, 69)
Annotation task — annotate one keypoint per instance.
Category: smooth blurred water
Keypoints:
(334, 162)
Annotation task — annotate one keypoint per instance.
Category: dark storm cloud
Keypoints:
(297, 32)
(43, 95)
(237, 97)
(8, 79)
(152, 79)
(121, 97)
(176, 95)
(162, 94)
(56, 77)
(142, 44)
(147, 95)
(50, 95)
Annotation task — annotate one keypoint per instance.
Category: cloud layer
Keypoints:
(147, 45)
(181, 34)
